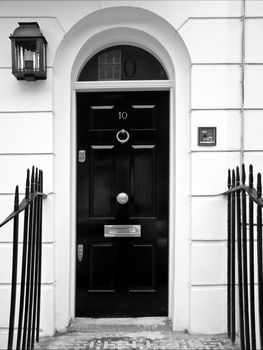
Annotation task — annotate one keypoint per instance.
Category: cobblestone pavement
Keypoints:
(124, 334)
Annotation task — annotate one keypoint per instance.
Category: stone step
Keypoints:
(128, 334)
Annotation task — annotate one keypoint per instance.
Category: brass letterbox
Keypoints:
(122, 230)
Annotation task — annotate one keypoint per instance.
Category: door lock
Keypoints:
(82, 156)
(80, 252)
(122, 198)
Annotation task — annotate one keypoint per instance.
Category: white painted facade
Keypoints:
(200, 45)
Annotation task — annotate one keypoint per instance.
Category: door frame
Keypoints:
(115, 86)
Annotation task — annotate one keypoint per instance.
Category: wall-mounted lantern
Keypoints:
(29, 54)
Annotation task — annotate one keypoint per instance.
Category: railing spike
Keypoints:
(243, 174)
(32, 179)
(259, 186)
(251, 176)
(41, 182)
(233, 178)
(229, 179)
(27, 177)
(238, 176)
(27, 183)
(36, 180)
(16, 204)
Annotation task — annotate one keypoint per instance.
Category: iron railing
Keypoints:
(30, 285)
(244, 234)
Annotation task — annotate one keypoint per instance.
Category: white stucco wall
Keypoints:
(31, 122)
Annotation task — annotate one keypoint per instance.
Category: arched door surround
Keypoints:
(95, 32)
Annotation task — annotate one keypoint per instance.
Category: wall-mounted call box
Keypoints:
(206, 136)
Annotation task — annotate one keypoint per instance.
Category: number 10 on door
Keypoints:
(123, 115)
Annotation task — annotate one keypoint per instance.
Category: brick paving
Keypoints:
(87, 334)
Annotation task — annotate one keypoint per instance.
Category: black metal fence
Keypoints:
(245, 258)
(30, 284)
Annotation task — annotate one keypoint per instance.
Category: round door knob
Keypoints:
(122, 198)
(122, 136)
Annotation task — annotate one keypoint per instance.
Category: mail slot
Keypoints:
(122, 230)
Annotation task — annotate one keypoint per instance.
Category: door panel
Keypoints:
(101, 273)
(144, 180)
(144, 117)
(102, 173)
(122, 276)
(142, 268)
(101, 117)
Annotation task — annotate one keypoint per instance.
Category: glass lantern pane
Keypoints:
(27, 56)
(19, 54)
(29, 45)
(41, 55)
(44, 57)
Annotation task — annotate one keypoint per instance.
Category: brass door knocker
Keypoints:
(122, 136)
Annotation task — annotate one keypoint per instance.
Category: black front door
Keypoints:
(122, 204)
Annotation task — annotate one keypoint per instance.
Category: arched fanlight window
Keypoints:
(124, 62)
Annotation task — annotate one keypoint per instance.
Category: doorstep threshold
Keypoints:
(151, 321)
